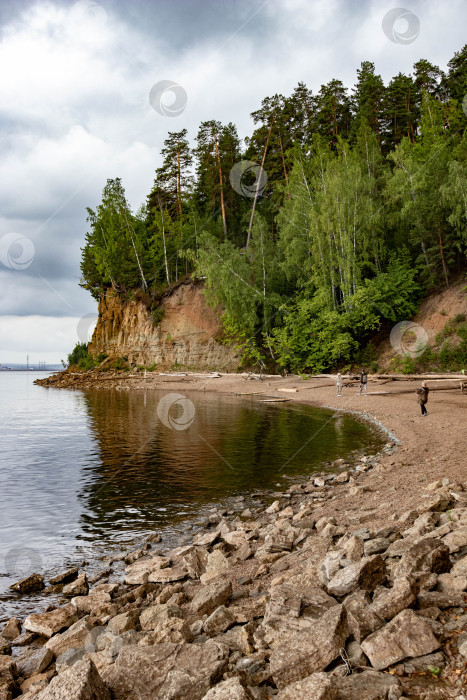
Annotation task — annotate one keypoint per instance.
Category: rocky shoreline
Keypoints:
(275, 600)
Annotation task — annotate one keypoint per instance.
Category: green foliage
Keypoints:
(364, 211)
(78, 354)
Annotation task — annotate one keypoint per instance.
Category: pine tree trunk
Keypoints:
(258, 183)
(221, 185)
(165, 248)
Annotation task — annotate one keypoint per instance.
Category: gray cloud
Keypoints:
(74, 102)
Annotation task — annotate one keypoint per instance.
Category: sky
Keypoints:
(85, 96)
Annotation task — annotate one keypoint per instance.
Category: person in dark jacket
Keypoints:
(422, 394)
(363, 382)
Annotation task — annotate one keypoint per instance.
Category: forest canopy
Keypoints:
(336, 216)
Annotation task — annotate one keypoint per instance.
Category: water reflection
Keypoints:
(147, 473)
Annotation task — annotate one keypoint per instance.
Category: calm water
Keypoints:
(83, 474)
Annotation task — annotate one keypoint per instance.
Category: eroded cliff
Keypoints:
(185, 336)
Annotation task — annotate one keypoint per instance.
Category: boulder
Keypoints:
(167, 575)
(92, 603)
(172, 629)
(310, 650)
(78, 587)
(74, 637)
(361, 619)
(35, 662)
(366, 574)
(392, 601)
(5, 646)
(456, 540)
(123, 622)
(219, 621)
(7, 673)
(318, 686)
(152, 616)
(34, 582)
(50, 623)
(407, 635)
(449, 583)
(369, 685)
(354, 548)
(429, 554)
(447, 599)
(12, 629)
(65, 576)
(208, 598)
(231, 689)
(80, 682)
(166, 671)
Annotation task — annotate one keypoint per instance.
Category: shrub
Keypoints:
(79, 352)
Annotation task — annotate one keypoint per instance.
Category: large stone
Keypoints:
(366, 574)
(78, 587)
(456, 540)
(392, 601)
(460, 567)
(35, 662)
(361, 619)
(166, 671)
(172, 629)
(428, 599)
(208, 598)
(7, 672)
(123, 622)
(50, 623)
(138, 573)
(318, 686)
(429, 554)
(65, 576)
(34, 582)
(407, 635)
(310, 650)
(74, 637)
(449, 583)
(92, 603)
(219, 621)
(154, 615)
(80, 682)
(12, 629)
(167, 575)
(231, 689)
(369, 685)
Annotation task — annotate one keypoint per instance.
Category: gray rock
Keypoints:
(318, 686)
(50, 623)
(34, 582)
(428, 599)
(35, 662)
(208, 598)
(392, 601)
(12, 629)
(78, 587)
(123, 622)
(219, 621)
(449, 583)
(75, 636)
(369, 685)
(429, 554)
(65, 576)
(355, 655)
(361, 619)
(407, 635)
(80, 682)
(376, 546)
(310, 650)
(166, 671)
(456, 540)
(231, 689)
(366, 574)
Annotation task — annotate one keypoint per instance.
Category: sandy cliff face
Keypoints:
(184, 336)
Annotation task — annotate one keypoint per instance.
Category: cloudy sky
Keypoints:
(75, 80)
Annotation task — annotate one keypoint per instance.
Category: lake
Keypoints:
(83, 474)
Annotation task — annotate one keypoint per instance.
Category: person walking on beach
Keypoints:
(363, 382)
(339, 383)
(422, 394)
